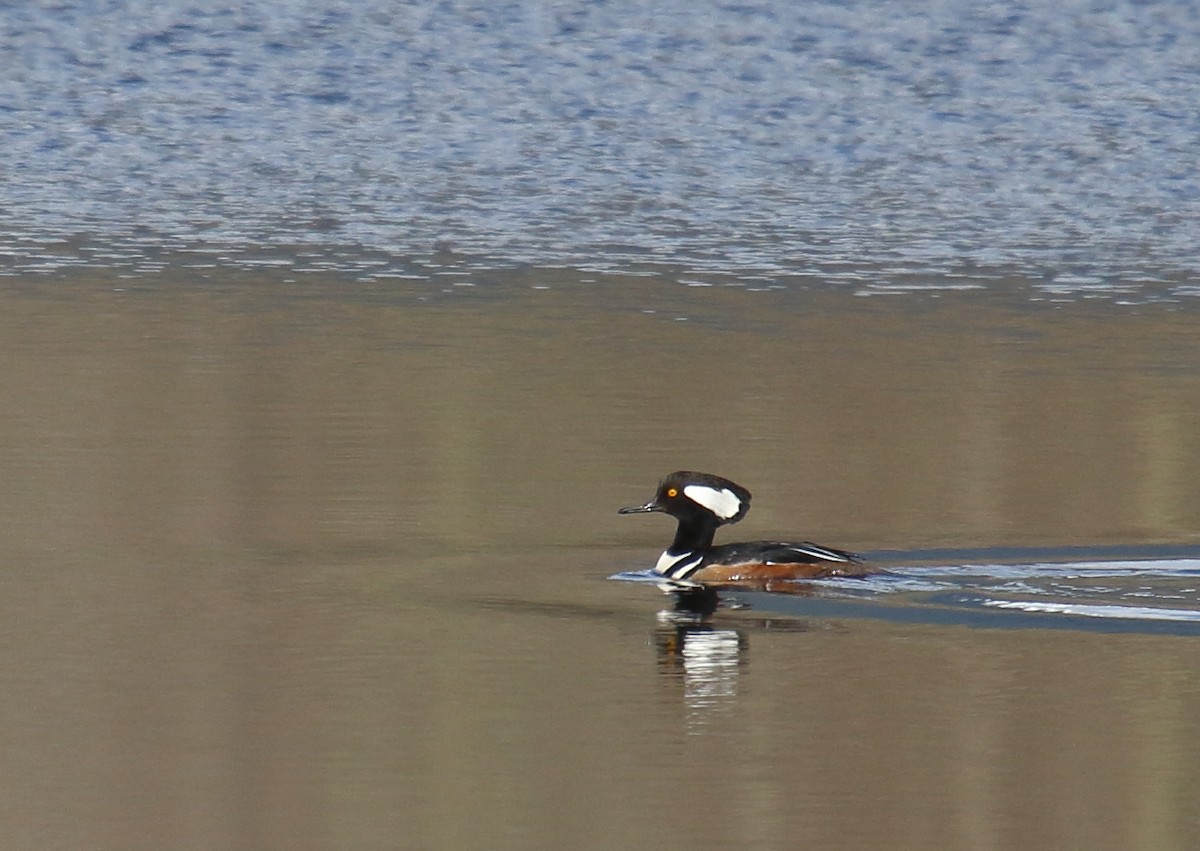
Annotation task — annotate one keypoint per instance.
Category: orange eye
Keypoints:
(672, 493)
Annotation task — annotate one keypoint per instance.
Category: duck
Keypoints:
(701, 503)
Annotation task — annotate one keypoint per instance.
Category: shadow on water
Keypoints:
(1156, 593)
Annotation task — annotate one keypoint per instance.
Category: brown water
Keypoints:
(323, 564)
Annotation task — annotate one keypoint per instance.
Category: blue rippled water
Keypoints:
(947, 141)
(1149, 594)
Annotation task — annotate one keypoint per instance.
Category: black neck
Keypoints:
(693, 535)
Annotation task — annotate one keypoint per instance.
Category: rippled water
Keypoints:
(1145, 595)
(952, 144)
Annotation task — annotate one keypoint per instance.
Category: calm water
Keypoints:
(333, 338)
(310, 565)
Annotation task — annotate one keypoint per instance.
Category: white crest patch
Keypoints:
(723, 503)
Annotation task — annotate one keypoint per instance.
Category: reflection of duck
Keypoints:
(678, 639)
(701, 503)
(705, 659)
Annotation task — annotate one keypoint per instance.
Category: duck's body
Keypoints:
(701, 503)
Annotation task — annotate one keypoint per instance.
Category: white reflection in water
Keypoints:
(1094, 611)
(707, 661)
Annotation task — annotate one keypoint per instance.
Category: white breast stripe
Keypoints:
(676, 566)
(677, 585)
(723, 503)
(686, 568)
(667, 561)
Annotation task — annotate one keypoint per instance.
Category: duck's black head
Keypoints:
(697, 498)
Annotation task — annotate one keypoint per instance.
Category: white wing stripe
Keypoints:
(818, 552)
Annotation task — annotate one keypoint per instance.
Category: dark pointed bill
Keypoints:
(640, 509)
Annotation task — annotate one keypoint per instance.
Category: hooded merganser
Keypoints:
(701, 503)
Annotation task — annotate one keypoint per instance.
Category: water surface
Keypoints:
(863, 142)
(331, 339)
(300, 564)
